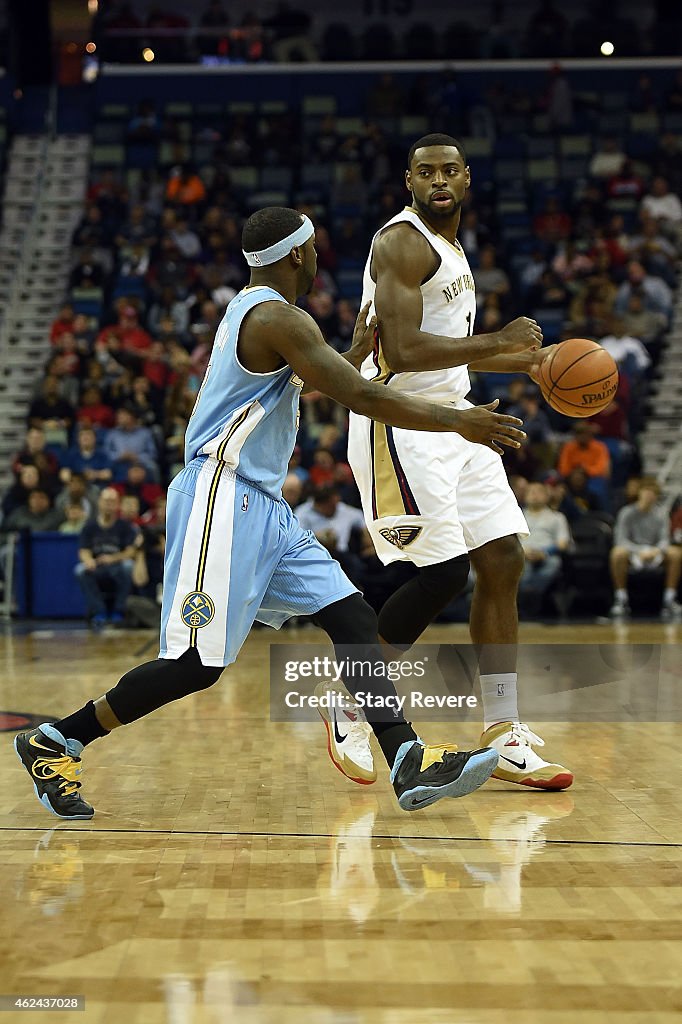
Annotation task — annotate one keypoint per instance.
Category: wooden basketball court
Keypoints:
(231, 874)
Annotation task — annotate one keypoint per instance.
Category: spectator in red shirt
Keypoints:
(93, 411)
(625, 184)
(68, 349)
(157, 368)
(133, 337)
(138, 485)
(323, 468)
(127, 333)
(553, 224)
(63, 322)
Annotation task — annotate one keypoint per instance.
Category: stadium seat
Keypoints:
(510, 147)
(87, 301)
(318, 106)
(459, 40)
(270, 107)
(109, 132)
(244, 177)
(121, 111)
(543, 170)
(349, 283)
(241, 108)
(171, 153)
(575, 145)
(541, 147)
(614, 101)
(209, 112)
(338, 43)
(420, 42)
(612, 123)
(378, 43)
(278, 178)
(350, 125)
(510, 169)
(411, 126)
(176, 109)
(586, 567)
(648, 122)
(143, 155)
(478, 146)
(574, 168)
(317, 175)
(552, 322)
(108, 156)
(672, 123)
(202, 152)
(257, 200)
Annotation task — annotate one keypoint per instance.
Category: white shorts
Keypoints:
(428, 497)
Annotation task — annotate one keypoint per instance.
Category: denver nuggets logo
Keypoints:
(197, 610)
(401, 536)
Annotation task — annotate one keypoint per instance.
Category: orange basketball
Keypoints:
(579, 379)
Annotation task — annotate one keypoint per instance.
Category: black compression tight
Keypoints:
(150, 686)
(415, 605)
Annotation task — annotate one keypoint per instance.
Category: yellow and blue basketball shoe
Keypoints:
(422, 774)
(54, 765)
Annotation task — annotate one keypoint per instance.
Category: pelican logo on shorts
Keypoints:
(401, 536)
(197, 610)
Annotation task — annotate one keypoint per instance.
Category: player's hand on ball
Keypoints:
(537, 359)
(483, 426)
(521, 334)
(363, 336)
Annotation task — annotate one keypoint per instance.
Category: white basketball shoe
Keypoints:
(519, 762)
(348, 734)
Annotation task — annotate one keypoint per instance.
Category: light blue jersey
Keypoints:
(235, 551)
(246, 420)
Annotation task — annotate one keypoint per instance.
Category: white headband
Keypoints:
(281, 249)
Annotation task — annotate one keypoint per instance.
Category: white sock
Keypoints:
(669, 595)
(622, 595)
(498, 693)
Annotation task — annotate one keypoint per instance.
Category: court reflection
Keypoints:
(369, 876)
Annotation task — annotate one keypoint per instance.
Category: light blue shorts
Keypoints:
(235, 554)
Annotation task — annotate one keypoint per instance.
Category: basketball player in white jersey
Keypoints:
(437, 500)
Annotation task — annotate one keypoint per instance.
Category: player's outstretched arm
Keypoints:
(296, 338)
(403, 260)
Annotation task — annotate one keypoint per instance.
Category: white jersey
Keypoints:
(449, 299)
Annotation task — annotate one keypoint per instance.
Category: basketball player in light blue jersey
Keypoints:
(235, 550)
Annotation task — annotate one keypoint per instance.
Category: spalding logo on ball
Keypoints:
(579, 379)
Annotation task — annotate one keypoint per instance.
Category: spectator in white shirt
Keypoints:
(655, 292)
(664, 206)
(630, 354)
(608, 160)
(641, 540)
(337, 526)
(549, 535)
(330, 519)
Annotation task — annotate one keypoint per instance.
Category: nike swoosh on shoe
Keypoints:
(516, 764)
(337, 735)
